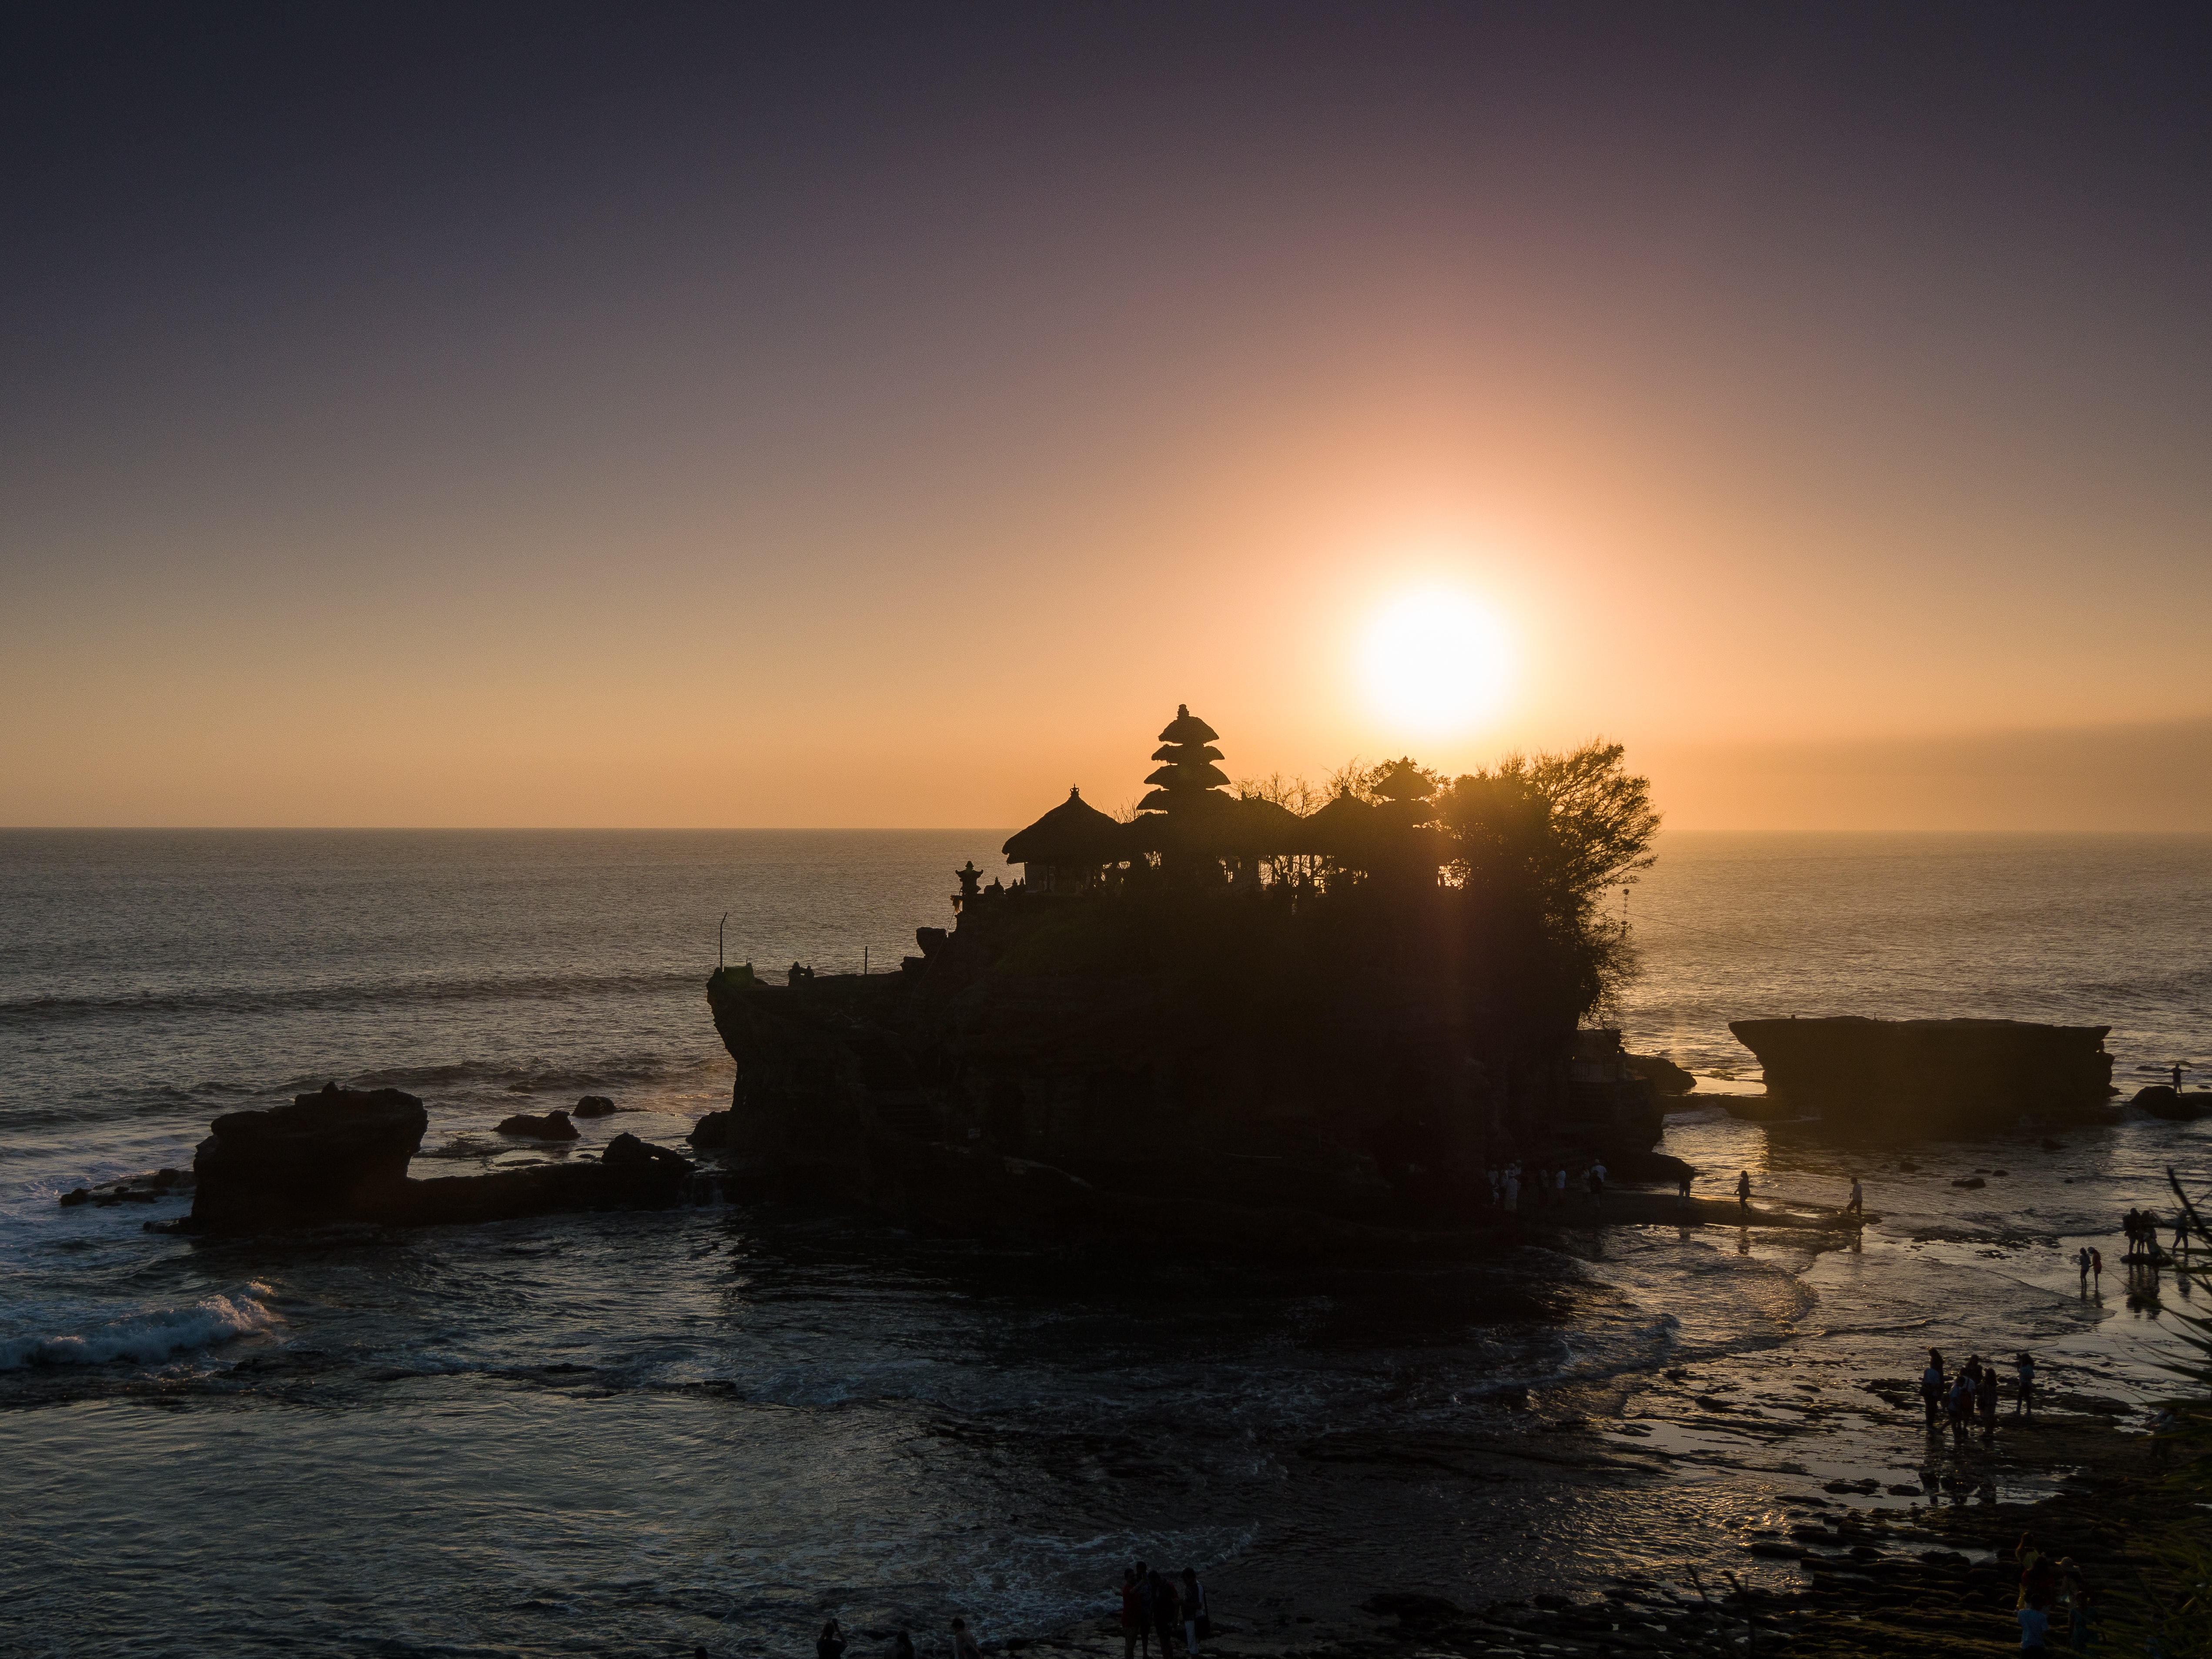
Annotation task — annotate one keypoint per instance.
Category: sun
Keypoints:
(1435, 660)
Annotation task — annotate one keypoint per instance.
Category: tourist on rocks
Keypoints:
(1743, 1189)
(2082, 1262)
(1858, 1204)
(1931, 1388)
(2180, 1231)
(831, 1643)
(2080, 1604)
(963, 1641)
(1959, 1406)
(1195, 1625)
(902, 1645)
(1682, 1183)
(1512, 1188)
(2034, 1629)
(1133, 1630)
(1167, 1612)
(1986, 1397)
(1596, 1179)
(2097, 1267)
(1559, 1186)
(2025, 1366)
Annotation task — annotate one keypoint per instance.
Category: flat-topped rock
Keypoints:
(336, 1155)
(1932, 1077)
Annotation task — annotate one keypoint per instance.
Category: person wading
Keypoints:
(1858, 1204)
(1931, 1390)
(2025, 1366)
(1743, 1189)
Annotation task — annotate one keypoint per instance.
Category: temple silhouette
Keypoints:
(1219, 1022)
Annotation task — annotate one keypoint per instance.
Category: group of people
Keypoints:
(1155, 1605)
(1514, 1187)
(2140, 1227)
(2047, 1587)
(1972, 1393)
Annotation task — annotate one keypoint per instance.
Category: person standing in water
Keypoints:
(830, 1644)
(1986, 1397)
(1931, 1388)
(1743, 1189)
(1857, 1205)
(2025, 1366)
(2083, 1261)
(1682, 1184)
(2097, 1267)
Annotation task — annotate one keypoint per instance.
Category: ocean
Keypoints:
(645, 1433)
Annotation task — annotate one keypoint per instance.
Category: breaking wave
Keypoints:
(148, 1338)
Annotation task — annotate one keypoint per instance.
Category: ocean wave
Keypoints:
(35, 1011)
(149, 1337)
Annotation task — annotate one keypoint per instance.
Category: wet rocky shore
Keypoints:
(1870, 1580)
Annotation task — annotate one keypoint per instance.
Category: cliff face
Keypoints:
(1933, 1077)
(1068, 1065)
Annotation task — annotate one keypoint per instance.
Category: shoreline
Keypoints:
(1874, 1580)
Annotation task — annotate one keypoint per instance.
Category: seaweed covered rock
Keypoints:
(593, 1106)
(336, 1155)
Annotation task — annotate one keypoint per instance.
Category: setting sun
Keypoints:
(1435, 659)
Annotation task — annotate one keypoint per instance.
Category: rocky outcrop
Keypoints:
(593, 1106)
(651, 1177)
(339, 1155)
(2163, 1100)
(711, 1134)
(1932, 1077)
(1662, 1074)
(552, 1126)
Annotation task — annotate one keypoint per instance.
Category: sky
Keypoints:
(560, 415)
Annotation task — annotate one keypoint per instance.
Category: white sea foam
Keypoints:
(149, 1337)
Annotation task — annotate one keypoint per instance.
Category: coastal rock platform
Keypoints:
(342, 1155)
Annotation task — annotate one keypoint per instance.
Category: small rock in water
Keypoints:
(2001, 1172)
(593, 1106)
(2051, 1145)
(81, 1195)
(1970, 1182)
(553, 1125)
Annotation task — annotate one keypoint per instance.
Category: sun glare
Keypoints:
(1435, 660)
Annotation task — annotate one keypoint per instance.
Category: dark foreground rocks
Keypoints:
(342, 1155)
(593, 1106)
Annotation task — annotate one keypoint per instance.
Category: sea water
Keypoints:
(636, 1433)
